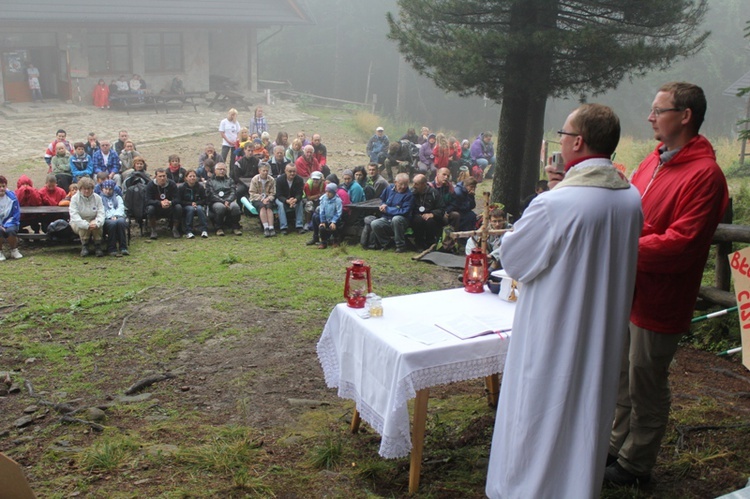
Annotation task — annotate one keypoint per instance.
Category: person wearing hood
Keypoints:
(10, 220)
(483, 153)
(26, 193)
(426, 163)
(115, 223)
(330, 216)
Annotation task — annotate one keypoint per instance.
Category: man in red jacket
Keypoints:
(684, 195)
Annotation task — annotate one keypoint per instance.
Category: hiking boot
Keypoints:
(190, 235)
(619, 476)
(14, 253)
(98, 250)
(153, 234)
(204, 234)
(125, 252)
(176, 233)
(219, 232)
(237, 232)
(84, 250)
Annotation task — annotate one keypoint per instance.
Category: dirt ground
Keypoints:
(250, 378)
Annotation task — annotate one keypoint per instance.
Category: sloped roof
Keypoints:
(144, 12)
(743, 82)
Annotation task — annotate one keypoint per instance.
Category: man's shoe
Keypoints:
(237, 232)
(322, 246)
(311, 242)
(615, 474)
(401, 249)
(125, 252)
(14, 253)
(219, 232)
(271, 232)
(302, 230)
(84, 250)
(266, 233)
(190, 235)
(114, 253)
(284, 232)
(153, 234)
(98, 250)
(176, 233)
(204, 234)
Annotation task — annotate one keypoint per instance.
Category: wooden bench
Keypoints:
(164, 99)
(130, 101)
(43, 215)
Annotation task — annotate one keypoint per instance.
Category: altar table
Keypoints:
(375, 364)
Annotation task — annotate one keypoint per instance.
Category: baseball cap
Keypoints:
(380, 129)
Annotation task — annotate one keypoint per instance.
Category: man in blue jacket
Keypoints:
(395, 212)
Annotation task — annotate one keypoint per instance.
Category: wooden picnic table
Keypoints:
(181, 98)
(129, 101)
(231, 99)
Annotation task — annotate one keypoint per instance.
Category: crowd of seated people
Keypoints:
(287, 184)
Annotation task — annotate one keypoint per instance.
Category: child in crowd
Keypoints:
(294, 151)
(330, 213)
(80, 162)
(60, 166)
(51, 194)
(100, 178)
(72, 191)
(60, 138)
(115, 223)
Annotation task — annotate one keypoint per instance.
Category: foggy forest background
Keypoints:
(334, 58)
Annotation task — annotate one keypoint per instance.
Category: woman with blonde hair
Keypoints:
(229, 128)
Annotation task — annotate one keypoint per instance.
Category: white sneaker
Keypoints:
(14, 253)
(190, 235)
(204, 234)
(2, 256)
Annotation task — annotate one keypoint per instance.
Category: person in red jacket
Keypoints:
(51, 194)
(307, 164)
(684, 195)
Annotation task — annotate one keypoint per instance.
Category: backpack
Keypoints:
(60, 230)
(135, 201)
(477, 173)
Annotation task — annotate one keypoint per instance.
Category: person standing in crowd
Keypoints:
(258, 123)
(684, 195)
(377, 146)
(576, 244)
(229, 128)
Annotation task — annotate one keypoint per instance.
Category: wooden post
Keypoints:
(723, 272)
(492, 383)
(356, 420)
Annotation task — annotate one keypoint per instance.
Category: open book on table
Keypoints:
(465, 327)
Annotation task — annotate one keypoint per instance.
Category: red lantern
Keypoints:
(476, 271)
(358, 284)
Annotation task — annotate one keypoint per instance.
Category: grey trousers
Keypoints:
(643, 399)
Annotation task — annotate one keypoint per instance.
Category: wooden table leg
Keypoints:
(492, 383)
(355, 421)
(417, 438)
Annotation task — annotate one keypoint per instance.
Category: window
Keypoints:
(109, 53)
(163, 52)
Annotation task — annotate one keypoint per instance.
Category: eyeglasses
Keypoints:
(563, 132)
(657, 111)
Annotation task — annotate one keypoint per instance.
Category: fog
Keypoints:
(348, 45)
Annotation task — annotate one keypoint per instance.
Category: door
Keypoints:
(64, 90)
(15, 81)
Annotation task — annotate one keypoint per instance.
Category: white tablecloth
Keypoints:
(377, 366)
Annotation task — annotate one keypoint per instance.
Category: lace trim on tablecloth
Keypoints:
(329, 361)
(441, 375)
(390, 447)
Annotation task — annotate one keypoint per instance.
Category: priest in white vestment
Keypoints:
(574, 251)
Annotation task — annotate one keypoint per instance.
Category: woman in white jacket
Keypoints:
(87, 216)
